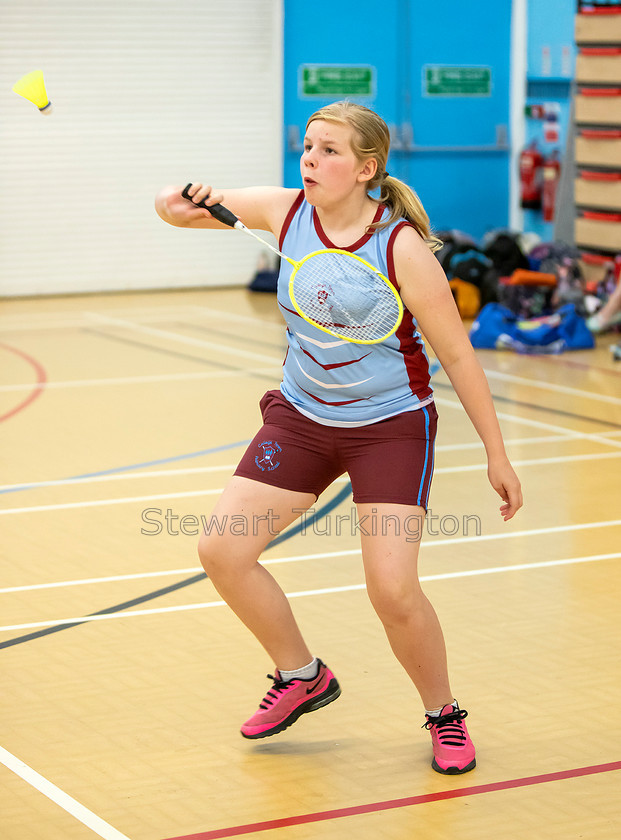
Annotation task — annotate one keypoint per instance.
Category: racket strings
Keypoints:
(342, 294)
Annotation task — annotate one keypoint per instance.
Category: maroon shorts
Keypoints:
(390, 461)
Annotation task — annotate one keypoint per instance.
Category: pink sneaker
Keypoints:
(285, 702)
(453, 751)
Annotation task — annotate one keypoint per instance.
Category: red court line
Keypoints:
(37, 388)
(320, 816)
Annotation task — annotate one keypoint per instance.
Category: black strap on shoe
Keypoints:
(442, 720)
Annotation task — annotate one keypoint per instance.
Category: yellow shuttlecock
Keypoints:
(32, 87)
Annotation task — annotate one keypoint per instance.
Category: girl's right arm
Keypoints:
(261, 208)
(427, 294)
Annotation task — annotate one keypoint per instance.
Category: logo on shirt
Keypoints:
(267, 458)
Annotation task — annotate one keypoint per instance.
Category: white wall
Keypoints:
(144, 93)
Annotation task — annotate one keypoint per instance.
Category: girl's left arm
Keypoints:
(427, 294)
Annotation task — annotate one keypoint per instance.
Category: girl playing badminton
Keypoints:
(365, 410)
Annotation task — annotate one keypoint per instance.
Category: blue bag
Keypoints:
(498, 328)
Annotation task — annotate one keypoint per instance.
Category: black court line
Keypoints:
(47, 631)
(158, 593)
(177, 354)
(512, 401)
(282, 537)
(256, 342)
(437, 385)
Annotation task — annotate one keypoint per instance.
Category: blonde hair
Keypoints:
(371, 139)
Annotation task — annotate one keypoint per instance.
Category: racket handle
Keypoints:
(218, 211)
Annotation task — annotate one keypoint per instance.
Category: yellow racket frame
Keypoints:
(298, 264)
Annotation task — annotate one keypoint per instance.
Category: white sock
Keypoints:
(308, 672)
(437, 712)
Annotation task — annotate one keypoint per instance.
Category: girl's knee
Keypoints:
(224, 558)
(212, 554)
(397, 604)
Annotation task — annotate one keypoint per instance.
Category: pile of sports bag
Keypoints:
(498, 328)
(524, 297)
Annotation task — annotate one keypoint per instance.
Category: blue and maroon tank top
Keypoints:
(335, 382)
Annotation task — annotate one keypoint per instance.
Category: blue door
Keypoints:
(327, 40)
(440, 78)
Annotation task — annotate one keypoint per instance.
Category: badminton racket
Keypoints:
(332, 289)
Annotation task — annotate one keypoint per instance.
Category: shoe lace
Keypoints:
(449, 727)
(273, 695)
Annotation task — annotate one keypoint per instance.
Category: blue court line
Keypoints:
(172, 458)
(158, 593)
(17, 488)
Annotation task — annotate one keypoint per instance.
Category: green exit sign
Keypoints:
(457, 81)
(337, 80)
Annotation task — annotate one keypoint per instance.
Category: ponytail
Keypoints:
(404, 203)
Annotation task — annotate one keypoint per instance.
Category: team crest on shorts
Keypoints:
(269, 453)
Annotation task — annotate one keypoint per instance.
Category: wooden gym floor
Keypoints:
(125, 680)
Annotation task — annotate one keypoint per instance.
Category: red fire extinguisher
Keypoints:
(551, 177)
(531, 164)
